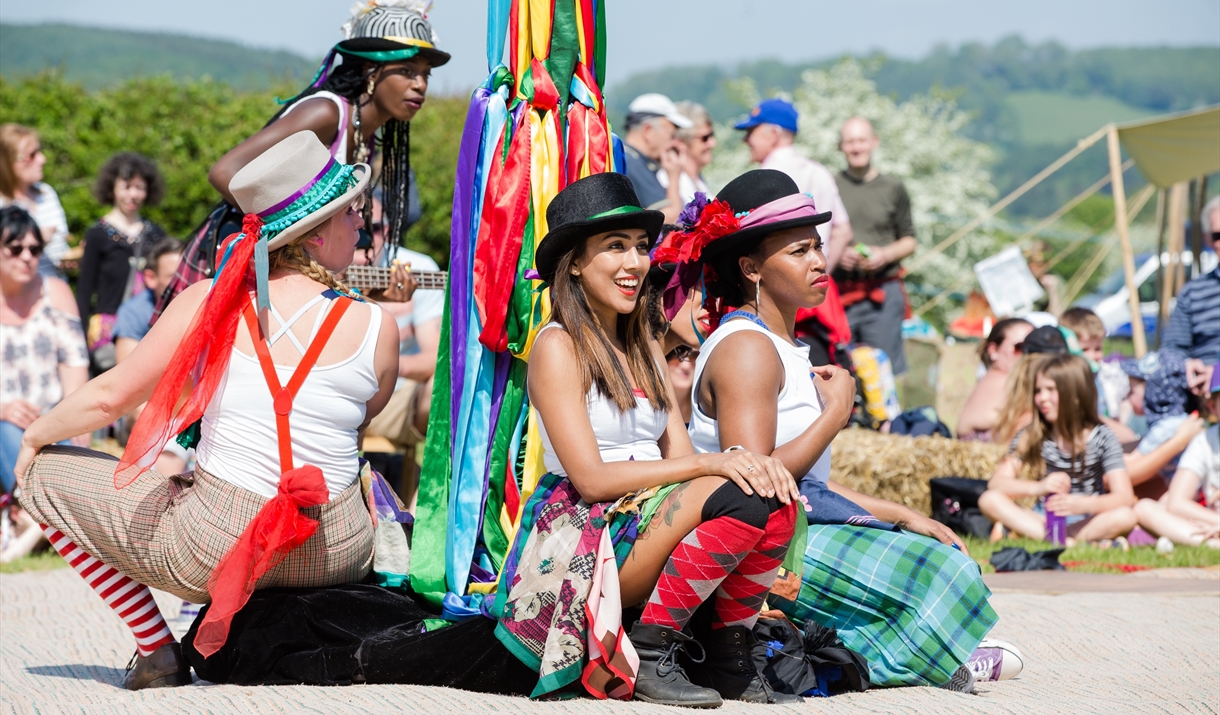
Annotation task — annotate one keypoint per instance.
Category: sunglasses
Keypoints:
(682, 353)
(29, 157)
(14, 250)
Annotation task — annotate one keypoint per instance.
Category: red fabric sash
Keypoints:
(204, 352)
(501, 228)
(279, 527)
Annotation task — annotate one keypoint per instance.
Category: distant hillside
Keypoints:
(100, 58)
(1031, 102)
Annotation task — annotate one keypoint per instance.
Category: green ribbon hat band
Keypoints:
(616, 212)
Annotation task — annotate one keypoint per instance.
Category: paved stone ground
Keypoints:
(62, 651)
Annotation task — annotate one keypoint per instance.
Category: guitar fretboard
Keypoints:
(366, 278)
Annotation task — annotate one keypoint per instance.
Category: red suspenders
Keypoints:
(285, 395)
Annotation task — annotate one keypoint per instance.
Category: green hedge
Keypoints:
(185, 126)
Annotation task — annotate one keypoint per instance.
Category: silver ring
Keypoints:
(398, 286)
(750, 468)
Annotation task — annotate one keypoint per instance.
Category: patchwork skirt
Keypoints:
(169, 532)
(913, 607)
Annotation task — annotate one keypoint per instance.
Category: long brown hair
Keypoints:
(11, 136)
(598, 366)
(1018, 398)
(1077, 411)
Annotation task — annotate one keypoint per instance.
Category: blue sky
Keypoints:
(645, 34)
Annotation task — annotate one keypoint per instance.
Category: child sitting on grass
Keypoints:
(1084, 477)
(1178, 516)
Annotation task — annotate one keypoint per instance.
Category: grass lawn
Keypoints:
(41, 561)
(1097, 560)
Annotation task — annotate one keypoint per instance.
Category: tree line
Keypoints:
(185, 126)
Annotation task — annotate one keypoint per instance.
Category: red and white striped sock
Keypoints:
(131, 600)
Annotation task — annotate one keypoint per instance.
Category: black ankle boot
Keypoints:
(730, 668)
(661, 680)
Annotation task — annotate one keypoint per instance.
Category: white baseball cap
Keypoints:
(658, 105)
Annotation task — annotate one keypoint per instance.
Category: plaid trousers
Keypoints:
(170, 532)
(913, 607)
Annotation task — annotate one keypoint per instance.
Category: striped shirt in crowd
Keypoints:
(1194, 326)
(48, 213)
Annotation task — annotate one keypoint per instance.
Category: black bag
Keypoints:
(955, 503)
(356, 633)
(1015, 558)
(814, 662)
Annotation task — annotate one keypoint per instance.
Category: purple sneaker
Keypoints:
(995, 660)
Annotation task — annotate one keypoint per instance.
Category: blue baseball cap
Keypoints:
(779, 112)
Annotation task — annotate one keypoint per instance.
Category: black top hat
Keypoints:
(595, 204)
(746, 193)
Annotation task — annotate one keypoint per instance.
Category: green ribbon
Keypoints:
(616, 212)
(432, 505)
(383, 55)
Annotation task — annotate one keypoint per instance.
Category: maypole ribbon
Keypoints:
(536, 124)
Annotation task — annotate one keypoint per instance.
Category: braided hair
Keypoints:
(292, 256)
(349, 80)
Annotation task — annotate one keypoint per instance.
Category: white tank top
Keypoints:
(799, 402)
(338, 148)
(621, 436)
(238, 436)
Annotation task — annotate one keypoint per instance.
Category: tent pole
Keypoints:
(1160, 264)
(1120, 222)
(1196, 225)
(1176, 228)
(960, 233)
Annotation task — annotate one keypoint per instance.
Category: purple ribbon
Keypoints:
(300, 192)
(459, 248)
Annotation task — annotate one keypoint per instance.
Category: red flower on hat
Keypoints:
(716, 220)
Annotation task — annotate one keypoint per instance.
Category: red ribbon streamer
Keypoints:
(208, 344)
(506, 208)
(270, 536)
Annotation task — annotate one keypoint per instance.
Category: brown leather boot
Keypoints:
(163, 668)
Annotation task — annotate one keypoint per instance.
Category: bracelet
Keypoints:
(736, 446)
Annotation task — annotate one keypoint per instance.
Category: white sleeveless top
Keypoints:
(238, 436)
(338, 148)
(621, 436)
(799, 402)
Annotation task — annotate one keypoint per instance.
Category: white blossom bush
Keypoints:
(921, 143)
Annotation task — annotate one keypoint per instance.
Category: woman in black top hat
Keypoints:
(686, 528)
(756, 249)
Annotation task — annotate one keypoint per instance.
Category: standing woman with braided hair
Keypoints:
(359, 107)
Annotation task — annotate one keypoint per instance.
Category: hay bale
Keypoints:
(898, 468)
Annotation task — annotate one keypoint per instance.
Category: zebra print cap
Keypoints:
(387, 25)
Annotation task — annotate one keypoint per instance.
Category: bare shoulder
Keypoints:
(60, 296)
(553, 344)
(749, 358)
(317, 114)
(552, 358)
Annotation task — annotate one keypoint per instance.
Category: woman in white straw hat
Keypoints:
(275, 499)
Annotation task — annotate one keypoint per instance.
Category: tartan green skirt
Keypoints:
(913, 607)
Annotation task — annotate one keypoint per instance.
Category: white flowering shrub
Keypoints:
(921, 143)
